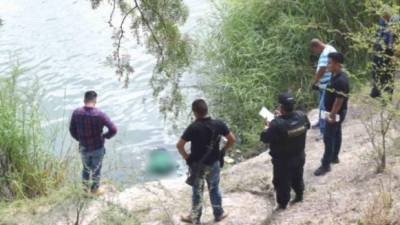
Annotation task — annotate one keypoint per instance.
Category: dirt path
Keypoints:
(340, 197)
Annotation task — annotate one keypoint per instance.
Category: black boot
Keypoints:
(297, 199)
(322, 170)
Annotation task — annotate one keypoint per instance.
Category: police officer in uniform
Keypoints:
(286, 136)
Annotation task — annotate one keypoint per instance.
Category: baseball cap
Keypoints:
(286, 99)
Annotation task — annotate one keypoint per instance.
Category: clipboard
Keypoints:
(266, 114)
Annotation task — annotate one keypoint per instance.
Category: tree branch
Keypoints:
(112, 14)
(147, 23)
(159, 16)
(121, 35)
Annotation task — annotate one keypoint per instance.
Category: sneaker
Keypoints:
(222, 217)
(335, 161)
(322, 170)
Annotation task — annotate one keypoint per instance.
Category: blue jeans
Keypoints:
(333, 142)
(322, 122)
(92, 162)
(211, 175)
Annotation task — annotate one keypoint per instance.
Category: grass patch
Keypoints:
(27, 169)
(380, 211)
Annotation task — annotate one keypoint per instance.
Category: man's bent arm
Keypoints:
(266, 135)
(112, 129)
(72, 128)
(231, 141)
(319, 74)
(181, 148)
(336, 107)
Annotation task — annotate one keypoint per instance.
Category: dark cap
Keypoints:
(286, 100)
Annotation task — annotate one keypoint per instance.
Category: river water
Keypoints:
(64, 45)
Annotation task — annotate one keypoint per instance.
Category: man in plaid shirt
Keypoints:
(86, 127)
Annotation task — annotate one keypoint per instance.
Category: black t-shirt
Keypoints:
(338, 87)
(199, 134)
(286, 135)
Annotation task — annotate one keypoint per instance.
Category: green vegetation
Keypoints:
(27, 169)
(257, 49)
(116, 215)
(67, 205)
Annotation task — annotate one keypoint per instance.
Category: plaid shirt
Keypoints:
(87, 128)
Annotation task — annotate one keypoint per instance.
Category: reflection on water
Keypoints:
(64, 44)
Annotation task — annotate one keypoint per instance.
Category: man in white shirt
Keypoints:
(322, 76)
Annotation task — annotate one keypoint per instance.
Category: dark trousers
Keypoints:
(288, 174)
(92, 163)
(333, 142)
(211, 175)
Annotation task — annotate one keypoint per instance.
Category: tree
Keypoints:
(155, 23)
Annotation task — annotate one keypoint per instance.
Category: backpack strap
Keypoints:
(213, 141)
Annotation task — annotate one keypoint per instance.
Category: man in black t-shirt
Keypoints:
(286, 136)
(203, 134)
(336, 98)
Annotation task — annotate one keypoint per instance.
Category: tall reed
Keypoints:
(27, 168)
(256, 49)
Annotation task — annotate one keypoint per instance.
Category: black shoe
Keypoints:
(222, 217)
(322, 170)
(280, 208)
(335, 161)
(297, 199)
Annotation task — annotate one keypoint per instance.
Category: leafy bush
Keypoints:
(257, 49)
(378, 116)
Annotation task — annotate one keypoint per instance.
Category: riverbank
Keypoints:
(351, 194)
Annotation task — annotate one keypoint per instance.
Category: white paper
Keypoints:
(325, 114)
(266, 114)
(222, 142)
